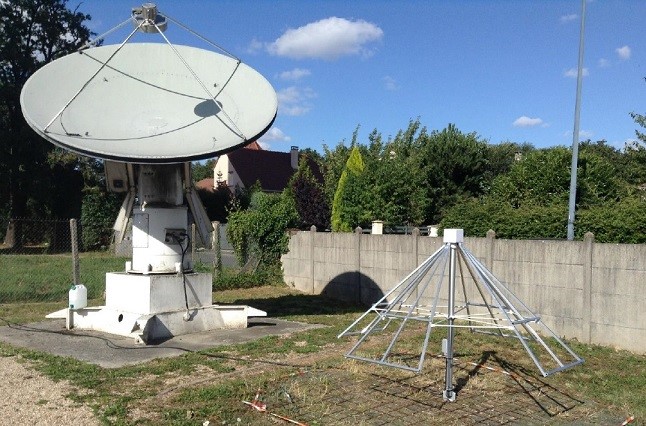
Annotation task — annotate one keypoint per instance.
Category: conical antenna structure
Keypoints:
(451, 289)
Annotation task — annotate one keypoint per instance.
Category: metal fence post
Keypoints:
(217, 249)
(193, 243)
(76, 271)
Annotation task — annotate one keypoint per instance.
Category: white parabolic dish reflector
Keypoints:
(146, 105)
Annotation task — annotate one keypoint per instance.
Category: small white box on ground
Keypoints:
(454, 235)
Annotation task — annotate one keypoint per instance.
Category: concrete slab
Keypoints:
(111, 351)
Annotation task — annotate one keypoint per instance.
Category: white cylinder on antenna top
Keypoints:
(454, 235)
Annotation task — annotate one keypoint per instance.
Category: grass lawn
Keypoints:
(305, 377)
(47, 278)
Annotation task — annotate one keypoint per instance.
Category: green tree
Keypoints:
(635, 155)
(333, 165)
(98, 213)
(32, 33)
(530, 201)
(501, 157)
(309, 197)
(455, 167)
(543, 177)
(392, 179)
(348, 207)
(540, 177)
(202, 170)
(216, 201)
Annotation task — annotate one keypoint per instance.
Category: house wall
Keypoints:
(229, 174)
(585, 290)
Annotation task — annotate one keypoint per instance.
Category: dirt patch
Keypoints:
(29, 398)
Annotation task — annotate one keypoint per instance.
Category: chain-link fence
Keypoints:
(39, 260)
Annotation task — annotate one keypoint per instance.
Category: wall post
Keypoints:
(415, 256)
(586, 320)
(357, 248)
(491, 240)
(312, 240)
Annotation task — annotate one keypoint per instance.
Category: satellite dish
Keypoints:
(150, 109)
(148, 103)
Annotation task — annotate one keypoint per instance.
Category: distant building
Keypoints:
(208, 183)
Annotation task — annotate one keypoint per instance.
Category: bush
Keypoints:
(527, 222)
(98, 213)
(621, 222)
(216, 202)
(261, 230)
(231, 279)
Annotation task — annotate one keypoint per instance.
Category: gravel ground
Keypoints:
(29, 398)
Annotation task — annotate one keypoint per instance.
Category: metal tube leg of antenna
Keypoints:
(449, 393)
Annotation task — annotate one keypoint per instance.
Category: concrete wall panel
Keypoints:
(581, 289)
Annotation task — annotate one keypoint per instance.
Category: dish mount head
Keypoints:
(149, 20)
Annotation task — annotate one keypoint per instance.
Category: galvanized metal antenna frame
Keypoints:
(497, 311)
(449, 393)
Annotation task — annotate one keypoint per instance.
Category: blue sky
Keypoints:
(503, 69)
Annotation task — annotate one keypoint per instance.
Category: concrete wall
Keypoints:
(585, 290)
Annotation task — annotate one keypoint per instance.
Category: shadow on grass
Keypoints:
(300, 304)
(350, 292)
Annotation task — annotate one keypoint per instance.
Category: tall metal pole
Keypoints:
(449, 393)
(575, 134)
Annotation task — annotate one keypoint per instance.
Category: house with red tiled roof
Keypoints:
(244, 167)
(207, 183)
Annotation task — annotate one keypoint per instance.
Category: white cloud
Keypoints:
(273, 135)
(604, 63)
(255, 46)
(390, 83)
(585, 134)
(630, 144)
(568, 18)
(295, 101)
(327, 39)
(573, 72)
(295, 74)
(623, 52)
(525, 121)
